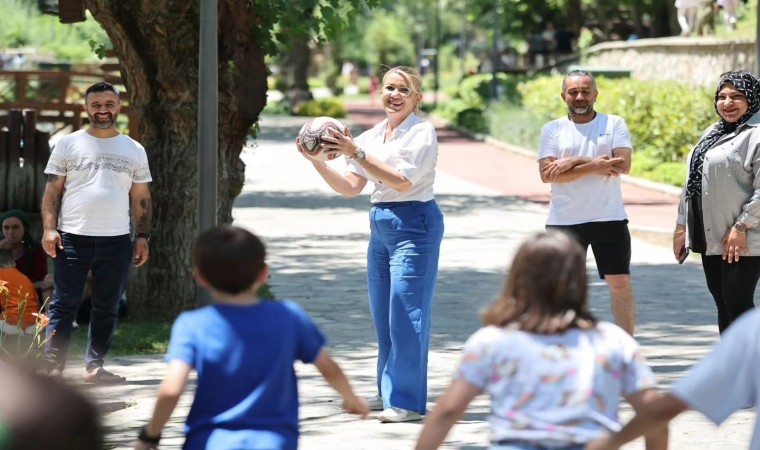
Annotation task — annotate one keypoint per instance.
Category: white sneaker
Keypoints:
(394, 414)
(375, 403)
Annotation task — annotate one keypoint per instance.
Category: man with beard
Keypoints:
(95, 177)
(582, 156)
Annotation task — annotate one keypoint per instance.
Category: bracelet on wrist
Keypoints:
(143, 436)
(679, 232)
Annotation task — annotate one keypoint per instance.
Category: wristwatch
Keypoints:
(143, 235)
(740, 227)
(359, 155)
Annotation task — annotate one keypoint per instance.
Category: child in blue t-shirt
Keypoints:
(243, 350)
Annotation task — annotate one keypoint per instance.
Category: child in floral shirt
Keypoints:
(554, 373)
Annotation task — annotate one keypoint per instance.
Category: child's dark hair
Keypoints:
(43, 413)
(101, 86)
(546, 289)
(229, 258)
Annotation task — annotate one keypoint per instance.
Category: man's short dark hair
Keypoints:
(101, 86)
(229, 258)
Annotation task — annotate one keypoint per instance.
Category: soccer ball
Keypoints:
(311, 136)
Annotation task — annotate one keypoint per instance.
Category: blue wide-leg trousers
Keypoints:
(402, 267)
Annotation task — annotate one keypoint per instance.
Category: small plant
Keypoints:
(18, 343)
(329, 107)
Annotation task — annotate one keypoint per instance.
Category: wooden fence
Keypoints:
(24, 153)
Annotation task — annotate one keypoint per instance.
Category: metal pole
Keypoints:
(437, 66)
(208, 123)
(495, 51)
(757, 42)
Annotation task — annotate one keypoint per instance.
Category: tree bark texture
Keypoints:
(157, 45)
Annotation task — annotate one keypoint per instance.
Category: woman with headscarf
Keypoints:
(30, 258)
(720, 204)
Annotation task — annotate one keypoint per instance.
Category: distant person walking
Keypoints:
(95, 177)
(686, 12)
(582, 156)
(719, 209)
(705, 24)
(730, 8)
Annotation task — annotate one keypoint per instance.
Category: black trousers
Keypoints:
(732, 285)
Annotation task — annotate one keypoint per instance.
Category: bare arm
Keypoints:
(625, 153)
(51, 206)
(167, 397)
(651, 420)
(388, 175)
(142, 218)
(565, 170)
(348, 185)
(338, 381)
(447, 411)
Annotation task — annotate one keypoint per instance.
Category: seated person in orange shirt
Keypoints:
(19, 302)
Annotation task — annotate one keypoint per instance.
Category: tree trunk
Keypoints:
(157, 45)
(297, 62)
(574, 16)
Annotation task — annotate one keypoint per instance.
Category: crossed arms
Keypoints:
(565, 170)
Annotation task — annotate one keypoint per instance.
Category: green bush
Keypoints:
(645, 165)
(510, 123)
(665, 118)
(471, 97)
(473, 119)
(330, 107)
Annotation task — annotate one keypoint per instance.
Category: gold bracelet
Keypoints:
(679, 232)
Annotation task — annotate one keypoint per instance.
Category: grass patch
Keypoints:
(131, 338)
(510, 123)
(137, 337)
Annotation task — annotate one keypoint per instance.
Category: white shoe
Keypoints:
(375, 403)
(394, 414)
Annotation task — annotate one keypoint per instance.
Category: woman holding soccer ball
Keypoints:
(398, 155)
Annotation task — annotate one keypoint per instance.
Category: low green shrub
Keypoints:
(471, 97)
(508, 122)
(330, 107)
(645, 165)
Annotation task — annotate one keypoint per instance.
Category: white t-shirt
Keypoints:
(727, 378)
(591, 198)
(554, 389)
(412, 150)
(99, 174)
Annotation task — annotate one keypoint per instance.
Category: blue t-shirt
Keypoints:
(247, 396)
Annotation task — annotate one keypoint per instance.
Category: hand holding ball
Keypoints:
(311, 134)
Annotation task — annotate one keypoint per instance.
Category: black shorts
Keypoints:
(610, 242)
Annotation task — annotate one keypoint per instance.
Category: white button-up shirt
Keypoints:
(412, 150)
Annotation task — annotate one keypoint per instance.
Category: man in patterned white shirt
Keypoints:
(95, 177)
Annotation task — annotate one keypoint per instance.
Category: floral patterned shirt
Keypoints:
(554, 389)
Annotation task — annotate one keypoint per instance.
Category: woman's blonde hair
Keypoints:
(546, 289)
(412, 77)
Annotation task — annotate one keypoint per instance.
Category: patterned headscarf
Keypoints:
(748, 85)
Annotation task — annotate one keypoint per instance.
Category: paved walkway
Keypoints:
(491, 201)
